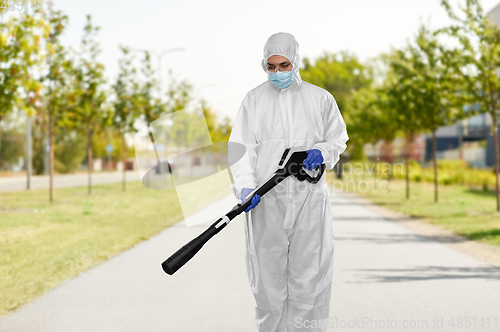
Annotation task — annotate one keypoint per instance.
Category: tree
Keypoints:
(90, 109)
(60, 96)
(477, 62)
(403, 99)
(180, 97)
(370, 105)
(33, 30)
(126, 106)
(9, 72)
(20, 50)
(432, 86)
(361, 132)
(152, 107)
(385, 127)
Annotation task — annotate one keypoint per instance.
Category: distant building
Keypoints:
(475, 129)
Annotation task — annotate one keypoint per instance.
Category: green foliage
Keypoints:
(20, 52)
(101, 139)
(60, 97)
(90, 109)
(364, 106)
(35, 29)
(180, 97)
(151, 107)
(344, 76)
(69, 150)
(126, 108)
(13, 144)
(477, 57)
(341, 74)
(422, 86)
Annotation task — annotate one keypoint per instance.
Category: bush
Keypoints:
(447, 181)
(449, 172)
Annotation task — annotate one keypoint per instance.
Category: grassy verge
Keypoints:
(42, 245)
(463, 210)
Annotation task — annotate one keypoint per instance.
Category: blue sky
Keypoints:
(223, 40)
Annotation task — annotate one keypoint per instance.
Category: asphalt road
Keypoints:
(16, 183)
(387, 277)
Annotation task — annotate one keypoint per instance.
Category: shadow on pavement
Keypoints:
(401, 238)
(366, 218)
(425, 273)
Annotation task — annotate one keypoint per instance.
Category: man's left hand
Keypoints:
(313, 160)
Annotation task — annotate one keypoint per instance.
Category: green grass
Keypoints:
(43, 244)
(465, 211)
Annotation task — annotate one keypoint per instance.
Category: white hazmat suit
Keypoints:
(289, 235)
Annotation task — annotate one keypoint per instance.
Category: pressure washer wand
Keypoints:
(290, 164)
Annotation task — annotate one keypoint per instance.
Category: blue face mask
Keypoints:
(281, 79)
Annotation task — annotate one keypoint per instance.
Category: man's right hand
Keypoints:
(255, 198)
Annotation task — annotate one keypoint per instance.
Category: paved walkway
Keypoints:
(16, 183)
(385, 273)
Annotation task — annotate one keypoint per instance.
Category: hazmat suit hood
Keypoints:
(284, 44)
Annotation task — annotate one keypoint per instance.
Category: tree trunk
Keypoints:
(389, 178)
(389, 156)
(434, 157)
(407, 178)
(51, 160)
(1, 138)
(390, 160)
(124, 159)
(409, 148)
(89, 158)
(495, 141)
(1, 117)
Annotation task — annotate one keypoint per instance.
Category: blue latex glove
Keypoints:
(313, 160)
(255, 198)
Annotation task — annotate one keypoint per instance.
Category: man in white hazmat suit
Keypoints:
(289, 234)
